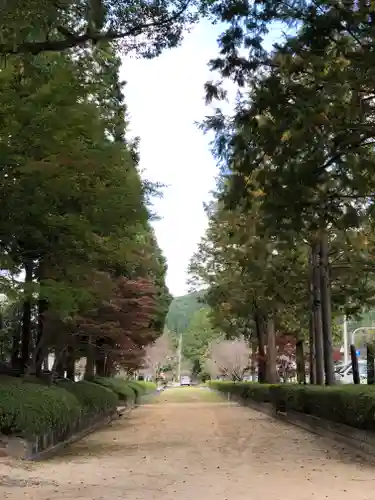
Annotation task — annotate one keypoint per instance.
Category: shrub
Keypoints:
(119, 386)
(352, 405)
(28, 409)
(138, 388)
(245, 390)
(141, 388)
(148, 387)
(94, 398)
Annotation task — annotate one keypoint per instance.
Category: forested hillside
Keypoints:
(182, 310)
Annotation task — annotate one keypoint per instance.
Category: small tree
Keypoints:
(159, 355)
(229, 358)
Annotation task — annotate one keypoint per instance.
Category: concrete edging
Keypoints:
(358, 440)
(41, 455)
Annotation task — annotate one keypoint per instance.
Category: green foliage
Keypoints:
(139, 389)
(147, 387)
(248, 270)
(32, 409)
(245, 390)
(181, 311)
(80, 215)
(119, 386)
(291, 233)
(93, 398)
(142, 27)
(197, 339)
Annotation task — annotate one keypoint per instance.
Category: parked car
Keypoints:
(345, 374)
(185, 381)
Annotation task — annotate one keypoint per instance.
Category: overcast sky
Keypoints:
(165, 97)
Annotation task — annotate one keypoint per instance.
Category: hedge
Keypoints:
(139, 388)
(148, 387)
(94, 398)
(245, 390)
(119, 386)
(31, 408)
(352, 405)
(28, 409)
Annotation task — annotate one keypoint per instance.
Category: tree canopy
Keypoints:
(82, 269)
(142, 27)
(290, 239)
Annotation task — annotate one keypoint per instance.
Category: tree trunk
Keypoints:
(109, 366)
(370, 364)
(312, 364)
(100, 358)
(272, 375)
(254, 348)
(90, 360)
(41, 347)
(26, 316)
(300, 361)
(259, 324)
(317, 308)
(355, 370)
(100, 366)
(312, 361)
(15, 356)
(70, 364)
(326, 309)
(58, 364)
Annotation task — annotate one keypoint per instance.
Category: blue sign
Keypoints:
(358, 353)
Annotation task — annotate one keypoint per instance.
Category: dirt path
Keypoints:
(194, 451)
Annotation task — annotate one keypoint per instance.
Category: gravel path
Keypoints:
(194, 451)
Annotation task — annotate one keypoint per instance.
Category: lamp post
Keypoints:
(354, 333)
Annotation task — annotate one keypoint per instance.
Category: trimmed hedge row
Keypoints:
(352, 405)
(29, 408)
(129, 391)
(244, 390)
(119, 386)
(93, 398)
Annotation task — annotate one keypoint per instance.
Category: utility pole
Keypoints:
(179, 355)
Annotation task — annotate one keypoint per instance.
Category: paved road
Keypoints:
(194, 451)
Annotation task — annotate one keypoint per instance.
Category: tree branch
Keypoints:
(74, 40)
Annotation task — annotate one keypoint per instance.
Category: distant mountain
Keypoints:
(181, 311)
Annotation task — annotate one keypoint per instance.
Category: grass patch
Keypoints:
(188, 395)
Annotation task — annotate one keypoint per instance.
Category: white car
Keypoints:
(344, 375)
(185, 381)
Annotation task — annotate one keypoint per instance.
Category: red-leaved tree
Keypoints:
(118, 330)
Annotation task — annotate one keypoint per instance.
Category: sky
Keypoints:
(165, 98)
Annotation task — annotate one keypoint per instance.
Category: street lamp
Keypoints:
(360, 328)
(353, 334)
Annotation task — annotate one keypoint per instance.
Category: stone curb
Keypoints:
(72, 439)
